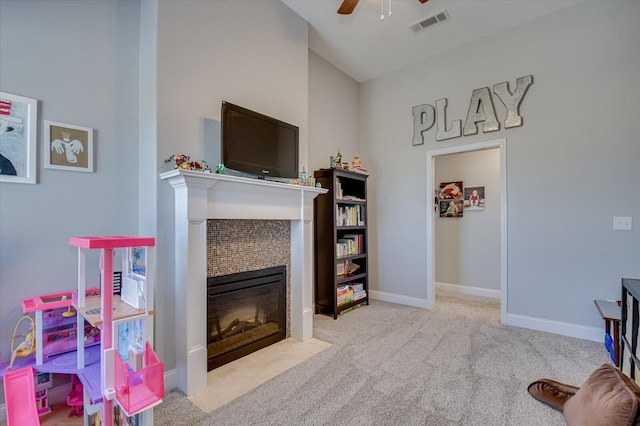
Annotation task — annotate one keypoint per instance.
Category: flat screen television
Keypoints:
(258, 145)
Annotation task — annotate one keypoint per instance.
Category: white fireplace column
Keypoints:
(201, 196)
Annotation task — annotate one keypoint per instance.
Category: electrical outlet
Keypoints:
(622, 223)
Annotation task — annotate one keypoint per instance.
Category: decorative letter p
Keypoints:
(424, 117)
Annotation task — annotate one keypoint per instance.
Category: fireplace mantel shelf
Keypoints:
(233, 197)
(200, 196)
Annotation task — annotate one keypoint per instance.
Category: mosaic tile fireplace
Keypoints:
(202, 196)
(247, 305)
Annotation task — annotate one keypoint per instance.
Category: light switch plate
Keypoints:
(622, 223)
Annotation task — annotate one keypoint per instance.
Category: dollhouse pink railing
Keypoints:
(137, 390)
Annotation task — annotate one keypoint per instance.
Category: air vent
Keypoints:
(430, 22)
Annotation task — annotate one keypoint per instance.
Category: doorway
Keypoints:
(431, 217)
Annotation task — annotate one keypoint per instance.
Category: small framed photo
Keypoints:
(137, 261)
(450, 191)
(474, 198)
(451, 208)
(68, 147)
(18, 136)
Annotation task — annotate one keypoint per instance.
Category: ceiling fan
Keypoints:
(347, 6)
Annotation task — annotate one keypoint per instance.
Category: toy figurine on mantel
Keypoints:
(182, 161)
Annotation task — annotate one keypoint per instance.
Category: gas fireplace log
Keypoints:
(230, 343)
(232, 324)
(240, 327)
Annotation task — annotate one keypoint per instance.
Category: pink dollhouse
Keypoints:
(75, 335)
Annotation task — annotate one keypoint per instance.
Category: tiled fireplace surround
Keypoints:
(200, 197)
(247, 245)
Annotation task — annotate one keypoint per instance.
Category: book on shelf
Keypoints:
(356, 287)
(346, 268)
(351, 308)
(338, 188)
(350, 215)
(356, 243)
(352, 198)
(342, 289)
(345, 298)
(359, 295)
(350, 245)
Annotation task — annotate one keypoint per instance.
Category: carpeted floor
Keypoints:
(396, 365)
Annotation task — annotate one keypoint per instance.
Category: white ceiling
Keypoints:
(365, 47)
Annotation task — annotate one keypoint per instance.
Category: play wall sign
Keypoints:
(481, 110)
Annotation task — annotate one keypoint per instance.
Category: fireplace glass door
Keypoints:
(245, 312)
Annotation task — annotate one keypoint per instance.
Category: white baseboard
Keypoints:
(170, 380)
(471, 291)
(556, 327)
(398, 298)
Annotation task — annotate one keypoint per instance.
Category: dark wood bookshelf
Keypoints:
(347, 194)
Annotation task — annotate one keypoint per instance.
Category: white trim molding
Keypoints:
(471, 291)
(431, 277)
(556, 327)
(200, 196)
(399, 299)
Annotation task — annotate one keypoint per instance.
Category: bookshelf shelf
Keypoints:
(357, 256)
(340, 220)
(349, 228)
(347, 278)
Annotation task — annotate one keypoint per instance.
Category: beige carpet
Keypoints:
(232, 380)
(388, 364)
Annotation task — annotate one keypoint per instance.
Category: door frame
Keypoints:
(501, 144)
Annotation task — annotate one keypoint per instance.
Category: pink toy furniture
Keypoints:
(75, 398)
(19, 393)
(144, 387)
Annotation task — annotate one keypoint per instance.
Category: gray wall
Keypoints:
(571, 167)
(561, 249)
(467, 249)
(334, 114)
(79, 59)
(252, 54)
(91, 72)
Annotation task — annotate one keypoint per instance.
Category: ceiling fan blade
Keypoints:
(347, 6)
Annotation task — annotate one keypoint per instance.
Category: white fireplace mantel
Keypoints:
(200, 196)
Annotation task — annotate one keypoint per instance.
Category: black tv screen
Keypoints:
(256, 144)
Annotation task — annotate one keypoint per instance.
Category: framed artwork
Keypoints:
(68, 147)
(138, 261)
(451, 208)
(474, 198)
(18, 136)
(450, 191)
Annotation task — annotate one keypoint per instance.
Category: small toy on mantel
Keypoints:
(182, 161)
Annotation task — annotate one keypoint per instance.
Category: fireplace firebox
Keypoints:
(246, 312)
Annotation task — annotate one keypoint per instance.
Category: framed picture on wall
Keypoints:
(18, 129)
(451, 208)
(450, 191)
(68, 147)
(474, 198)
